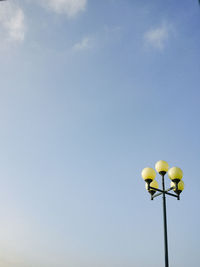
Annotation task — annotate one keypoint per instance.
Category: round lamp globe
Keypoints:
(148, 174)
(175, 174)
(154, 184)
(162, 166)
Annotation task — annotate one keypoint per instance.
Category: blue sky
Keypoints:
(91, 93)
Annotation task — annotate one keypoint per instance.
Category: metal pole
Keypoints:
(165, 222)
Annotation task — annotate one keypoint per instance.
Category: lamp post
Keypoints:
(175, 174)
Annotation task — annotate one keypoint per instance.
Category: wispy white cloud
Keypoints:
(108, 36)
(158, 37)
(84, 44)
(69, 7)
(12, 23)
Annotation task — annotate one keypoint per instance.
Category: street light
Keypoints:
(175, 174)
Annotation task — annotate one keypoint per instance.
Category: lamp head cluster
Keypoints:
(175, 174)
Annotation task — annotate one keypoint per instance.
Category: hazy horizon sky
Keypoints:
(91, 93)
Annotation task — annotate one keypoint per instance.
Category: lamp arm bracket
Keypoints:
(169, 189)
(173, 195)
(156, 189)
(156, 195)
(161, 192)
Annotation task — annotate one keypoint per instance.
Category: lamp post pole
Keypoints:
(175, 174)
(165, 221)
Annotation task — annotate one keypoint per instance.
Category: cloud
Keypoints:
(84, 44)
(69, 7)
(12, 23)
(157, 37)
